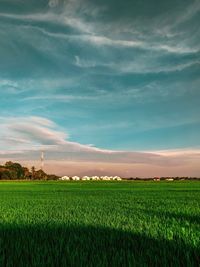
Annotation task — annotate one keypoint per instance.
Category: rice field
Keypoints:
(99, 224)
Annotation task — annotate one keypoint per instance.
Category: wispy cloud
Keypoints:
(51, 17)
(145, 65)
(98, 40)
(27, 135)
(37, 132)
(59, 98)
(101, 34)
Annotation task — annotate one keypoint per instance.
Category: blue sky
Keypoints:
(102, 77)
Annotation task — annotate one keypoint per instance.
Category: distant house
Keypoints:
(64, 178)
(170, 179)
(156, 179)
(105, 178)
(95, 177)
(75, 178)
(117, 178)
(85, 178)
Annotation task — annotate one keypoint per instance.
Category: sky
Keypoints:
(103, 87)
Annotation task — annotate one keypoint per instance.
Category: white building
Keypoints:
(95, 178)
(156, 179)
(170, 179)
(105, 178)
(64, 178)
(117, 178)
(75, 178)
(85, 178)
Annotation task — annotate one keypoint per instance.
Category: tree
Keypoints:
(40, 175)
(27, 173)
(16, 168)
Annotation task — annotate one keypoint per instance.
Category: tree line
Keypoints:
(15, 171)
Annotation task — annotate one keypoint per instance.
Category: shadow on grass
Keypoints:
(88, 246)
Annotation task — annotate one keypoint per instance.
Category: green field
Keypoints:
(99, 224)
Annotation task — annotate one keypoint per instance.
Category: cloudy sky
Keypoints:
(102, 86)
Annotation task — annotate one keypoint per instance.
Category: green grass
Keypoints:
(99, 224)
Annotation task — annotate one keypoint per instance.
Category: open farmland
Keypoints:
(99, 224)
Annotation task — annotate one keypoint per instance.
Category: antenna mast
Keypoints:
(42, 160)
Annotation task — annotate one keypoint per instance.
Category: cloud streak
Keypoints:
(104, 41)
(27, 136)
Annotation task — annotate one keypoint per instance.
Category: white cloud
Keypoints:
(186, 152)
(100, 34)
(8, 83)
(23, 138)
(102, 40)
(62, 19)
(29, 130)
(95, 39)
(141, 65)
(26, 133)
(152, 66)
(60, 97)
(84, 63)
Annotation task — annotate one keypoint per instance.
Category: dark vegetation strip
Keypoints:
(43, 245)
